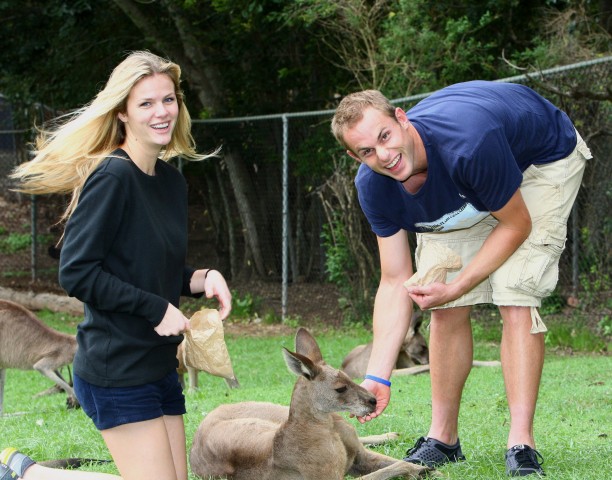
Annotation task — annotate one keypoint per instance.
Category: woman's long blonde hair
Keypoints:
(65, 156)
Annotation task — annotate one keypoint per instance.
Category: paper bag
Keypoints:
(205, 348)
(435, 261)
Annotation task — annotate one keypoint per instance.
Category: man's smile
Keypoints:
(394, 162)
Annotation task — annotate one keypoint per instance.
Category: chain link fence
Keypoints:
(278, 204)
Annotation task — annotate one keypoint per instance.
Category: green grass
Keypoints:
(573, 423)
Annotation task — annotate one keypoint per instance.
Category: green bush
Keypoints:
(17, 242)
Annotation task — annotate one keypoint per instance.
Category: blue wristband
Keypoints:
(378, 380)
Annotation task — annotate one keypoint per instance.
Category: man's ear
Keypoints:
(401, 116)
(351, 154)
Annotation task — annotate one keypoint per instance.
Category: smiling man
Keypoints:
(491, 171)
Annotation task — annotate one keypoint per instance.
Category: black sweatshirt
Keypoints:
(124, 256)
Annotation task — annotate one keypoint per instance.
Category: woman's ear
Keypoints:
(122, 116)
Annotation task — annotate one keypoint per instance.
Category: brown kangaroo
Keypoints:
(414, 351)
(26, 343)
(305, 441)
(192, 373)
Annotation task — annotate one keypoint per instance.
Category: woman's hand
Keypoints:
(173, 323)
(215, 286)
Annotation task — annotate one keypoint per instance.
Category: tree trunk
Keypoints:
(205, 80)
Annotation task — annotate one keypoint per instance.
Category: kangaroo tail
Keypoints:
(71, 462)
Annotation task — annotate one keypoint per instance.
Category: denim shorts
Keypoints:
(110, 407)
(531, 273)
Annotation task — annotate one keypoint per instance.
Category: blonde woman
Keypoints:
(123, 255)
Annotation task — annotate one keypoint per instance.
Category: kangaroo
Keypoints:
(414, 351)
(192, 372)
(26, 343)
(305, 441)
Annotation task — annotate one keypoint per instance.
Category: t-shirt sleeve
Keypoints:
(88, 237)
(369, 196)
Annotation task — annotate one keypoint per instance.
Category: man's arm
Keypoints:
(392, 313)
(512, 230)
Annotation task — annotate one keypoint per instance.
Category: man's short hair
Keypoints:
(350, 111)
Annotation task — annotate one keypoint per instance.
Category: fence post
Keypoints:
(285, 243)
(34, 234)
(575, 241)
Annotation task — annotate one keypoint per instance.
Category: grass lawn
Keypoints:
(573, 423)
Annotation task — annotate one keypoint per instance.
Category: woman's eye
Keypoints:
(341, 389)
(169, 100)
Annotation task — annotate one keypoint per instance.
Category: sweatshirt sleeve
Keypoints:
(186, 288)
(88, 237)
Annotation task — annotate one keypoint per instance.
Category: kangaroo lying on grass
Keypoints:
(412, 359)
(26, 343)
(307, 440)
(414, 351)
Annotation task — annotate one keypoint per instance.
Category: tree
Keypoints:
(231, 53)
(252, 57)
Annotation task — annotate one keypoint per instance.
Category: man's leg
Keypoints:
(522, 357)
(450, 359)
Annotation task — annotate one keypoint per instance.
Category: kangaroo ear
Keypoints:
(300, 365)
(416, 321)
(305, 344)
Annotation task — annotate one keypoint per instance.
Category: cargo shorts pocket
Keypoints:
(535, 265)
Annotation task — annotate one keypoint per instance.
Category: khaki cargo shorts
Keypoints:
(531, 273)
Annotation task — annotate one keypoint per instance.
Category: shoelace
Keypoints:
(526, 458)
(420, 442)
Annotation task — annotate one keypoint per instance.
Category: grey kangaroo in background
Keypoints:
(26, 343)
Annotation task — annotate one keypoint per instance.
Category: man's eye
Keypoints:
(341, 389)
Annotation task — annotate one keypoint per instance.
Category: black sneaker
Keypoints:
(522, 460)
(432, 453)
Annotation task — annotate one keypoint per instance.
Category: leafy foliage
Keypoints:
(57, 52)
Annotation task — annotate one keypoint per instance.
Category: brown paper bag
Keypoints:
(205, 348)
(435, 261)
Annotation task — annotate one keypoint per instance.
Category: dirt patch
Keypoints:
(307, 302)
(241, 329)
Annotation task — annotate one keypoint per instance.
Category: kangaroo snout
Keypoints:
(366, 405)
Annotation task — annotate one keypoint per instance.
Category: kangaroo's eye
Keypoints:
(341, 389)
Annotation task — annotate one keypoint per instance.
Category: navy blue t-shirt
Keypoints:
(479, 138)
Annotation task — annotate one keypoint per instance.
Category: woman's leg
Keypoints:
(14, 463)
(146, 450)
(175, 427)
(38, 472)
